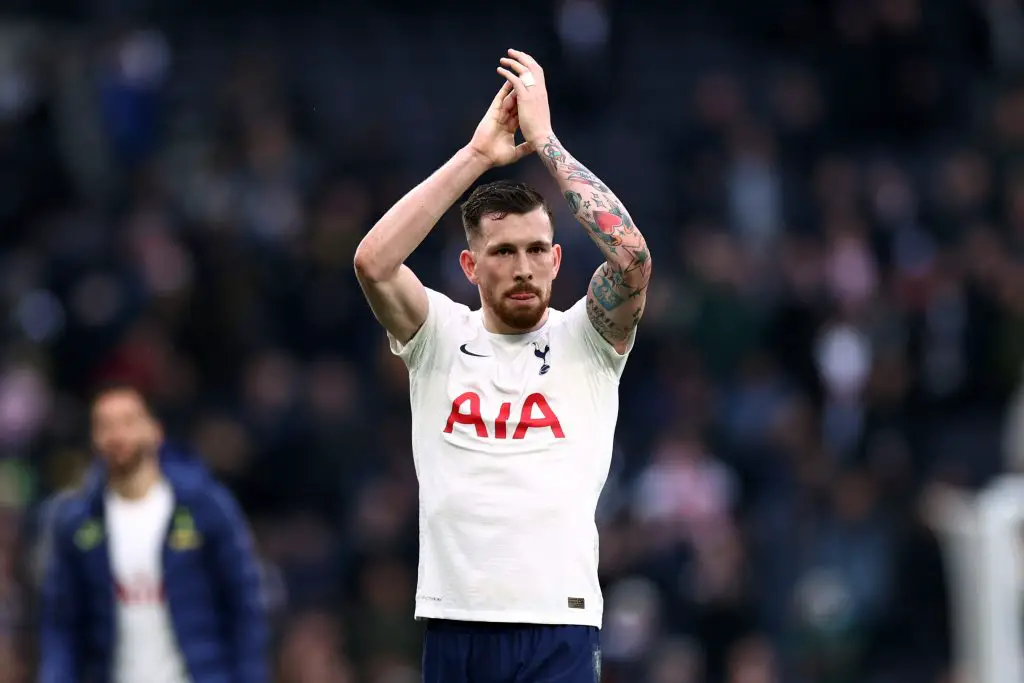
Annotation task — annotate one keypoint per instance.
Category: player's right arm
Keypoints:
(396, 296)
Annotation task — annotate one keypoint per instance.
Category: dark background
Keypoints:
(834, 197)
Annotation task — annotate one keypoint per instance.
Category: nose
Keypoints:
(523, 270)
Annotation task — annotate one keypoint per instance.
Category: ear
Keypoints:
(468, 262)
(556, 255)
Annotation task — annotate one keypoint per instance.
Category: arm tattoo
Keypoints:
(613, 308)
(617, 292)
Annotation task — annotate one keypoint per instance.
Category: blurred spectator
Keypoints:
(149, 571)
(312, 651)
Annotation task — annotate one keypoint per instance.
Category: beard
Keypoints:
(520, 315)
(125, 466)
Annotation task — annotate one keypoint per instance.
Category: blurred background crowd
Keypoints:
(835, 194)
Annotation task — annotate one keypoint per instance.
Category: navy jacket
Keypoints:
(211, 579)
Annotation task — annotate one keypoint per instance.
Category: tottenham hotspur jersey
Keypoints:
(512, 441)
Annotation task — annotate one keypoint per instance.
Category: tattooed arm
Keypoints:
(618, 290)
(615, 299)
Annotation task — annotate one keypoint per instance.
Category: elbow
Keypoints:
(642, 268)
(634, 271)
(367, 265)
(374, 260)
(363, 263)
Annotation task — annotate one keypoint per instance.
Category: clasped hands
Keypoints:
(521, 104)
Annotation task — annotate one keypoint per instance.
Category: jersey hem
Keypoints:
(561, 618)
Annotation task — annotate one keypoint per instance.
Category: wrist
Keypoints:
(540, 139)
(474, 159)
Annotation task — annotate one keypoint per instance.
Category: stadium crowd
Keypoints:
(836, 195)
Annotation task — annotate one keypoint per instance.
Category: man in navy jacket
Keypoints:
(151, 575)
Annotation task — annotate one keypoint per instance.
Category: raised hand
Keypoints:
(531, 94)
(495, 136)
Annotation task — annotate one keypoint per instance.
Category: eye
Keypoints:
(504, 251)
(537, 250)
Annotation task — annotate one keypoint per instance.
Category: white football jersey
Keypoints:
(512, 442)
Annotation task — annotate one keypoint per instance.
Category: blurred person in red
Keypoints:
(514, 405)
(151, 575)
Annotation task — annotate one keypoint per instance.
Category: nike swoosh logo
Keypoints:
(470, 353)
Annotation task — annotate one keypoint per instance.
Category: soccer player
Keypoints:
(513, 405)
(151, 576)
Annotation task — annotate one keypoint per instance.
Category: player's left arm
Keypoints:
(618, 290)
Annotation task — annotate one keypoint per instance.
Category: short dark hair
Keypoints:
(499, 199)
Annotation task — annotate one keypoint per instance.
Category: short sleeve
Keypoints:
(593, 344)
(415, 352)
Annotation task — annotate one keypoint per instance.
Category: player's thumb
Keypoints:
(522, 149)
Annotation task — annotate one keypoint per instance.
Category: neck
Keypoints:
(494, 325)
(137, 483)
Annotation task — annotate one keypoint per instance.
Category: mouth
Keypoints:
(522, 296)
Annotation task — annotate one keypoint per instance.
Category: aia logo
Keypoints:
(535, 413)
(140, 589)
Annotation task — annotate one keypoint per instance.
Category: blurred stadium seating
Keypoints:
(835, 192)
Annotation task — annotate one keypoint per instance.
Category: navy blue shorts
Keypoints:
(480, 652)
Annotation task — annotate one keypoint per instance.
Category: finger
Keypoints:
(512, 125)
(516, 82)
(499, 99)
(505, 118)
(508, 109)
(523, 149)
(525, 59)
(516, 66)
(509, 104)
